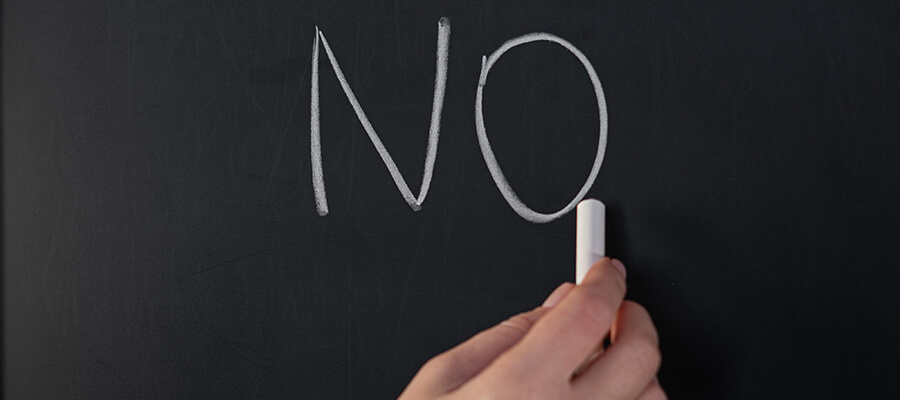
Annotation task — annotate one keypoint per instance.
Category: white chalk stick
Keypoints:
(590, 236)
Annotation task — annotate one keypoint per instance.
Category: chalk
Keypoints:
(590, 236)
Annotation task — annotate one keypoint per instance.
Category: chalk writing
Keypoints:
(440, 84)
(508, 193)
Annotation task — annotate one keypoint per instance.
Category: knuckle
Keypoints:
(646, 354)
(433, 365)
(441, 364)
(519, 322)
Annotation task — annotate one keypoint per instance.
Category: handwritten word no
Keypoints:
(440, 84)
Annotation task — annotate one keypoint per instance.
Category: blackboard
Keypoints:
(162, 241)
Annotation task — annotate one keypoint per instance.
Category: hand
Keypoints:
(534, 355)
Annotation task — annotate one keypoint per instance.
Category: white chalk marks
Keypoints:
(440, 84)
(315, 137)
(508, 193)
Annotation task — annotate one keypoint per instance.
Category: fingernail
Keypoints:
(558, 294)
(619, 266)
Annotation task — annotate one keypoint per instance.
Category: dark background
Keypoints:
(161, 239)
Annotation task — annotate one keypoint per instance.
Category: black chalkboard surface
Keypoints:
(162, 238)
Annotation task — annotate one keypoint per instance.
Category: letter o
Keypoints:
(505, 189)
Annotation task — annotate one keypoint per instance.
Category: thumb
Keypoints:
(456, 366)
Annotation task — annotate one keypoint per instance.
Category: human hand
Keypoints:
(535, 354)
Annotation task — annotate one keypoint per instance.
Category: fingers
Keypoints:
(558, 294)
(450, 369)
(573, 329)
(628, 366)
(454, 367)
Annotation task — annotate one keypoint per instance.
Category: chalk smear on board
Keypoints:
(440, 84)
(505, 189)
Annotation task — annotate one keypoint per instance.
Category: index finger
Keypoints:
(572, 330)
